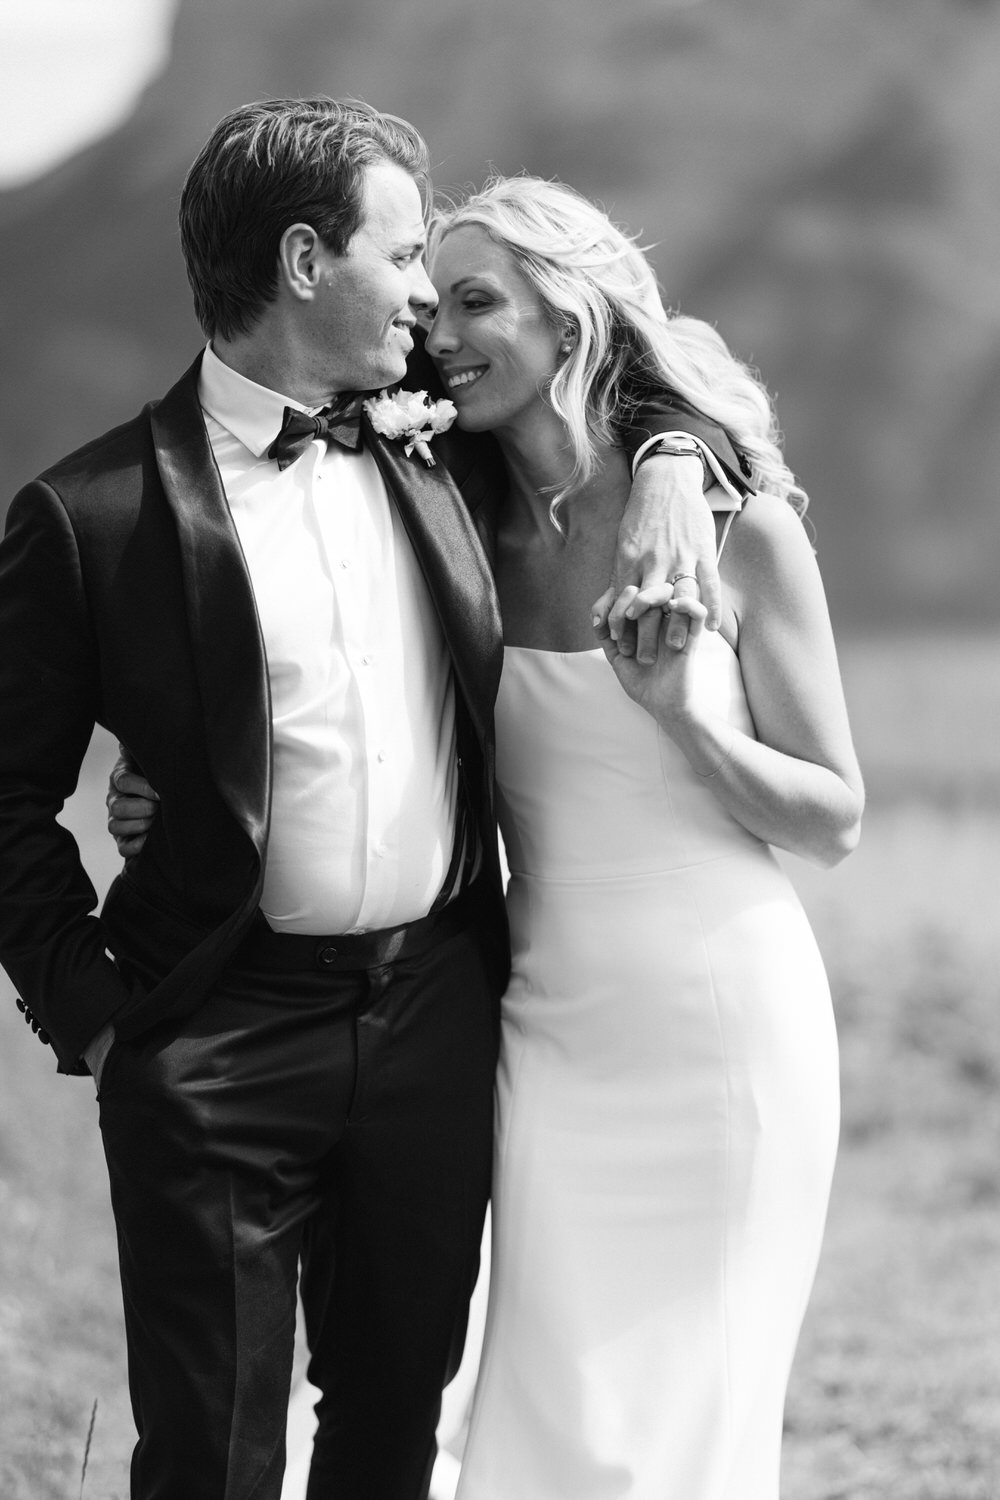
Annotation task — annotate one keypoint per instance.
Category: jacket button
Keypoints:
(327, 955)
(44, 1037)
(34, 1024)
(20, 1004)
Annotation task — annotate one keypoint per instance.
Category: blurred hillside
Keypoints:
(819, 178)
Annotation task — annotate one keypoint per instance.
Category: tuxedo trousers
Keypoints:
(341, 1122)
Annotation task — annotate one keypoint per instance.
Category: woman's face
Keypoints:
(491, 340)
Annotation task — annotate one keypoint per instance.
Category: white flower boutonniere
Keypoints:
(410, 418)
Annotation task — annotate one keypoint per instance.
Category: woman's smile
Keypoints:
(456, 379)
(491, 322)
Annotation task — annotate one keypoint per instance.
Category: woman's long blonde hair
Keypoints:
(592, 279)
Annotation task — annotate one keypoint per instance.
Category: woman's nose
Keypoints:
(441, 339)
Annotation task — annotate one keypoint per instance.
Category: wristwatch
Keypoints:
(678, 448)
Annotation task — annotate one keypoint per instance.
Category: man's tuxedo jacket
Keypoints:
(125, 601)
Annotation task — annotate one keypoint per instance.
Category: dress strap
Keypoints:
(724, 537)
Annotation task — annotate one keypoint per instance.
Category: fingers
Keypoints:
(711, 594)
(675, 623)
(647, 637)
(127, 809)
(599, 612)
(130, 824)
(685, 592)
(620, 622)
(610, 621)
(689, 613)
(130, 784)
(634, 617)
(648, 608)
(614, 631)
(129, 847)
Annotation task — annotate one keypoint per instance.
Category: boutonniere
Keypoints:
(409, 417)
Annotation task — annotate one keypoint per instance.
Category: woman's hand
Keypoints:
(132, 806)
(664, 688)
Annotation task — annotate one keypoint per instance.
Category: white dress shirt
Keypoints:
(362, 699)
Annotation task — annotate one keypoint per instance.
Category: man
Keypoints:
(289, 1000)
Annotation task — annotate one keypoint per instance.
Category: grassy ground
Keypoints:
(896, 1389)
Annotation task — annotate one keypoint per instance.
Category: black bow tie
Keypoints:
(339, 423)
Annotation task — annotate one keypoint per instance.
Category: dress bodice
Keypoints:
(589, 784)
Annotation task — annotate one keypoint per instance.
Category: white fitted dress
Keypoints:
(667, 1112)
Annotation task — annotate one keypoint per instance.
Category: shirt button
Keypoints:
(344, 563)
(366, 661)
(380, 756)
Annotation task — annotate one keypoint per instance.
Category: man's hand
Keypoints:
(131, 804)
(666, 538)
(95, 1054)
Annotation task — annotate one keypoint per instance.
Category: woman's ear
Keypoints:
(568, 341)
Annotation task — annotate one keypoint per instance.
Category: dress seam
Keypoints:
(727, 1183)
(727, 1176)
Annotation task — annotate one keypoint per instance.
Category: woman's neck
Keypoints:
(548, 579)
(539, 460)
(537, 453)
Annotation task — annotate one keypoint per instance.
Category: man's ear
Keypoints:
(298, 261)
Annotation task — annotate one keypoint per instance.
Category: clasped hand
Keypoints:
(666, 552)
(663, 686)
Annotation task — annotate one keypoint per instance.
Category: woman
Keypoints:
(667, 1104)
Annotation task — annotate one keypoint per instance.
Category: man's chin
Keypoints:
(390, 373)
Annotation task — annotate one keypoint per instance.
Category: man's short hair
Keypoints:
(269, 165)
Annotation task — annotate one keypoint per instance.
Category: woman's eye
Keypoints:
(473, 304)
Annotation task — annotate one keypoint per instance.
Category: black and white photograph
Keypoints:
(499, 774)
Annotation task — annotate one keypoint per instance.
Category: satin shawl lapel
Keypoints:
(455, 567)
(222, 614)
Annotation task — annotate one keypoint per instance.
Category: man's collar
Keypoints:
(252, 413)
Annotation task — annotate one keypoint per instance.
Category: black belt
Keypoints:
(285, 952)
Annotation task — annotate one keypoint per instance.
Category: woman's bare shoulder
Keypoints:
(768, 561)
(767, 526)
(767, 540)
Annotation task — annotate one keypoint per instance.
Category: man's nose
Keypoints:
(423, 297)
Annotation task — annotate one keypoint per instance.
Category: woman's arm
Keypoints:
(797, 785)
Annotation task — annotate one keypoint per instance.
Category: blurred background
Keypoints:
(821, 180)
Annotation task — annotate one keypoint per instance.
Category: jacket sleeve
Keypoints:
(661, 413)
(51, 945)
